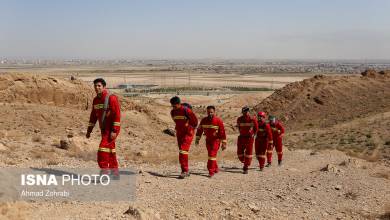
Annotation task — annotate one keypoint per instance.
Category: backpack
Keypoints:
(187, 105)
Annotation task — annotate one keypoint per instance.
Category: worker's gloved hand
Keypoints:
(113, 135)
(89, 131)
(223, 146)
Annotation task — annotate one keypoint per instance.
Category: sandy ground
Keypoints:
(351, 189)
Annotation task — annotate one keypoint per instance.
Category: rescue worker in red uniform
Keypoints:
(263, 140)
(186, 123)
(247, 126)
(106, 110)
(277, 134)
(214, 130)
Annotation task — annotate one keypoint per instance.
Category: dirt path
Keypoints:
(351, 189)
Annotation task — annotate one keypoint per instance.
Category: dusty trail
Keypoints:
(351, 189)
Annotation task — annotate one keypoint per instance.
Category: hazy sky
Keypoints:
(296, 29)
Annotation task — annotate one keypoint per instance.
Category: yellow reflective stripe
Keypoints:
(179, 117)
(249, 156)
(270, 141)
(212, 158)
(107, 150)
(183, 152)
(91, 124)
(210, 126)
(269, 151)
(224, 141)
(245, 124)
(261, 130)
(116, 124)
(280, 152)
(98, 106)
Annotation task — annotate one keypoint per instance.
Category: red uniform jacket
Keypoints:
(265, 132)
(112, 121)
(247, 126)
(212, 128)
(185, 120)
(277, 130)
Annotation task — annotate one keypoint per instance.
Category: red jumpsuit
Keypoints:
(214, 131)
(186, 122)
(106, 155)
(248, 128)
(277, 131)
(263, 142)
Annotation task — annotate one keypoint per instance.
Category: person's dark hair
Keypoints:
(175, 100)
(211, 107)
(245, 109)
(100, 80)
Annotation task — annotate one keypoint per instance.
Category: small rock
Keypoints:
(307, 189)
(351, 162)
(325, 214)
(254, 208)
(224, 203)
(36, 130)
(64, 144)
(313, 153)
(338, 187)
(135, 212)
(331, 168)
(318, 100)
(170, 131)
(142, 153)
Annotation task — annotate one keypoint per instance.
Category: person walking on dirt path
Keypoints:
(106, 110)
(247, 126)
(277, 134)
(263, 142)
(186, 123)
(214, 130)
